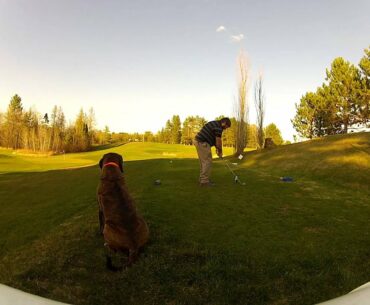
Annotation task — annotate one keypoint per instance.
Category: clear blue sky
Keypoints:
(139, 62)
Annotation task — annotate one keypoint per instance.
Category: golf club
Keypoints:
(236, 178)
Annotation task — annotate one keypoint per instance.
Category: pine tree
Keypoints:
(344, 83)
(191, 126)
(304, 119)
(364, 94)
(167, 132)
(175, 130)
(271, 131)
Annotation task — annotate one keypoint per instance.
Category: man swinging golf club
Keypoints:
(210, 135)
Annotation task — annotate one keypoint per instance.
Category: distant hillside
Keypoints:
(341, 159)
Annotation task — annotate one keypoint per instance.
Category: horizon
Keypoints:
(138, 64)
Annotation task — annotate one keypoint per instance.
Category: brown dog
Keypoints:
(122, 227)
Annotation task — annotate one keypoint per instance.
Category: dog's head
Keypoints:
(112, 161)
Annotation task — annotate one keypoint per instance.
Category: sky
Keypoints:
(138, 63)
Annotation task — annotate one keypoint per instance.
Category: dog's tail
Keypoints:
(110, 264)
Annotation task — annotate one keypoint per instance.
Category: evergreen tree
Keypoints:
(167, 135)
(175, 130)
(228, 135)
(148, 136)
(271, 131)
(344, 83)
(191, 126)
(364, 94)
(326, 120)
(304, 119)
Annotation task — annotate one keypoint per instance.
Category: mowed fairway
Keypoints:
(267, 242)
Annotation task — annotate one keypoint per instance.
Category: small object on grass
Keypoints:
(286, 179)
(234, 163)
(240, 157)
(157, 182)
(170, 161)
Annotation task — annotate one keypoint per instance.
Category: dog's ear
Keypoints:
(121, 163)
(101, 162)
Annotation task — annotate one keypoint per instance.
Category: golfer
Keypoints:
(210, 135)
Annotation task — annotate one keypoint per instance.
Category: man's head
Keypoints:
(225, 123)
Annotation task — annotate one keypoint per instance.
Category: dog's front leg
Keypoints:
(108, 256)
(101, 222)
(132, 257)
(101, 215)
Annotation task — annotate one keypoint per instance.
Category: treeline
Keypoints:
(341, 103)
(32, 131)
(28, 129)
(176, 132)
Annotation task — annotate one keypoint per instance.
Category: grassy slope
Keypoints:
(266, 243)
(340, 159)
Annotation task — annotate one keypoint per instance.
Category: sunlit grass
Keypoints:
(11, 161)
(341, 159)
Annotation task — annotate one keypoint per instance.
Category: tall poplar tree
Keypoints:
(14, 123)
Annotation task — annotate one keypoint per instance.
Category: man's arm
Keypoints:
(219, 146)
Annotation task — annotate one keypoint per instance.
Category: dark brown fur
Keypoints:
(122, 227)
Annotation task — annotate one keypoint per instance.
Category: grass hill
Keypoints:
(341, 159)
(268, 242)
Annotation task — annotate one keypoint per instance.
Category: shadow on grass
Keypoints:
(106, 146)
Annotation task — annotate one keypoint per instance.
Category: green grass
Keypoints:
(268, 242)
(12, 161)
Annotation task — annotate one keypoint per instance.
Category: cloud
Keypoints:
(234, 38)
(221, 28)
(237, 38)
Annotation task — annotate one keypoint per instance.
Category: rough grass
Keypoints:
(268, 242)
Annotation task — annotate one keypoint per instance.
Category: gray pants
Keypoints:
(205, 160)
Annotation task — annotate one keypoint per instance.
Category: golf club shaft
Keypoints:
(228, 166)
(231, 170)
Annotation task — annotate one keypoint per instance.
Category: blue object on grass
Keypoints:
(286, 179)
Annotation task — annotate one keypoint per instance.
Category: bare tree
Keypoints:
(13, 123)
(91, 123)
(241, 109)
(2, 120)
(259, 103)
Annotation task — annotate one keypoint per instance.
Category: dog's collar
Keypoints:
(111, 164)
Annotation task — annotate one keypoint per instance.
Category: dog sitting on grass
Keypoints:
(124, 230)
